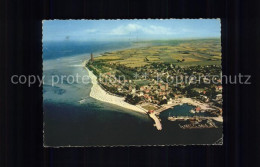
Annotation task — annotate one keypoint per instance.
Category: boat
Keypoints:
(82, 101)
(192, 111)
(198, 125)
(172, 118)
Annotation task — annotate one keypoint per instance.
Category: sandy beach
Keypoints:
(98, 93)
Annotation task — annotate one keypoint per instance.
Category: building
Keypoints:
(204, 98)
(198, 109)
(92, 57)
(140, 94)
(219, 97)
(133, 91)
(166, 86)
(219, 88)
(162, 87)
(142, 88)
(151, 111)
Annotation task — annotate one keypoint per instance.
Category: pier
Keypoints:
(157, 124)
(218, 119)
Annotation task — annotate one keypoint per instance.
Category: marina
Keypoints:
(196, 124)
(184, 114)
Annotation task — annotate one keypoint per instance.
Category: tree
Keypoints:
(132, 99)
(171, 95)
(163, 102)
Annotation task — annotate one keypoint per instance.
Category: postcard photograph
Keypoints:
(133, 82)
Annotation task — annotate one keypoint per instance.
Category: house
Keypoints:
(140, 94)
(206, 80)
(219, 97)
(142, 88)
(147, 91)
(198, 109)
(219, 88)
(162, 87)
(151, 111)
(149, 99)
(130, 88)
(133, 91)
(146, 96)
(161, 93)
(204, 98)
(166, 86)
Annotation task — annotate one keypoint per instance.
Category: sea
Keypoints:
(73, 118)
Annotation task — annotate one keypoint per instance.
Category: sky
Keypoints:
(150, 29)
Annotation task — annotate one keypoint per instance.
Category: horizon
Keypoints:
(142, 40)
(130, 30)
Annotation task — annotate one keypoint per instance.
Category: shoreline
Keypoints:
(98, 93)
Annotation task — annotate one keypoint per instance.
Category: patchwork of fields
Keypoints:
(181, 53)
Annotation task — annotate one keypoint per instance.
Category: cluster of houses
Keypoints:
(153, 92)
(157, 90)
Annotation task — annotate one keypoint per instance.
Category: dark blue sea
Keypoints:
(67, 122)
(53, 50)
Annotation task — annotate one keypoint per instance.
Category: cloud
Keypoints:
(123, 30)
(134, 28)
(90, 30)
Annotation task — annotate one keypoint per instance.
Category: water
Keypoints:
(53, 50)
(93, 123)
(184, 110)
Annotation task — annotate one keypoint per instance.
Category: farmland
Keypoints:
(181, 53)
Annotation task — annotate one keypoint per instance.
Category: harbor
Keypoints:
(188, 110)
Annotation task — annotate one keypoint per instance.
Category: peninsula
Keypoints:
(146, 79)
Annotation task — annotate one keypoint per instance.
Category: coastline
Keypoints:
(98, 93)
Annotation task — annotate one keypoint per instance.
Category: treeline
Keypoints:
(132, 99)
(129, 73)
(112, 90)
(93, 69)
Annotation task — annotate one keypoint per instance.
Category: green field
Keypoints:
(178, 52)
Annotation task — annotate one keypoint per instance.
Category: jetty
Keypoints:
(197, 125)
(185, 118)
(157, 124)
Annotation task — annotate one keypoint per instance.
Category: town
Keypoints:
(159, 85)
